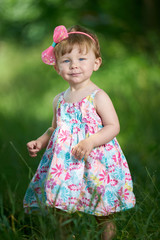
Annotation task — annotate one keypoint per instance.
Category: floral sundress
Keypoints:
(101, 185)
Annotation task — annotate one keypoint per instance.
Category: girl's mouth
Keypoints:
(75, 74)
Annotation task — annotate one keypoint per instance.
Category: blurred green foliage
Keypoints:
(128, 31)
(29, 21)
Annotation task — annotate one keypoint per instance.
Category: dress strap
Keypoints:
(91, 97)
(94, 92)
(60, 99)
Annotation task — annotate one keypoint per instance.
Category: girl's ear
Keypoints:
(97, 64)
(56, 68)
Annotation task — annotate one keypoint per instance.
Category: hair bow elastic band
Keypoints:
(60, 33)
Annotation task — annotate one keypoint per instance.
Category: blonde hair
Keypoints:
(83, 41)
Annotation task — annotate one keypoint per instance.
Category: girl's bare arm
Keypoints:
(108, 115)
(111, 127)
(36, 145)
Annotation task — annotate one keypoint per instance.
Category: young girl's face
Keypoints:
(77, 66)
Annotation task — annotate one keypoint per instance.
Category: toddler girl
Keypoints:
(83, 167)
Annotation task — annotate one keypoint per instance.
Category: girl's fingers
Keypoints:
(32, 145)
(73, 151)
(82, 154)
(33, 155)
(86, 156)
(77, 153)
(33, 148)
(33, 151)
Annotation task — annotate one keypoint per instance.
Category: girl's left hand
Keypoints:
(82, 149)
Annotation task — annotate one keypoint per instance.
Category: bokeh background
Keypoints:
(128, 31)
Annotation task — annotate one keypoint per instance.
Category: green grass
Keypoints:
(27, 89)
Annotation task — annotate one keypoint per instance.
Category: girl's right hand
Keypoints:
(34, 147)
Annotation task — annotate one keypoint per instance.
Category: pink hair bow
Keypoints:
(60, 33)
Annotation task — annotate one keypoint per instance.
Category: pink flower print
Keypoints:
(120, 191)
(50, 184)
(76, 130)
(91, 120)
(131, 200)
(105, 209)
(73, 187)
(70, 109)
(124, 194)
(99, 154)
(128, 176)
(83, 101)
(88, 165)
(38, 190)
(56, 202)
(50, 144)
(125, 164)
(76, 166)
(64, 135)
(86, 128)
(92, 154)
(44, 169)
(58, 111)
(87, 118)
(96, 154)
(108, 147)
(92, 129)
(67, 176)
(50, 202)
(116, 143)
(83, 202)
(111, 168)
(84, 120)
(58, 149)
(114, 182)
(57, 171)
(74, 121)
(37, 177)
(114, 158)
(116, 203)
(117, 159)
(104, 177)
(50, 154)
(101, 190)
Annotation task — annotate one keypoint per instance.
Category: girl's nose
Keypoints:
(73, 65)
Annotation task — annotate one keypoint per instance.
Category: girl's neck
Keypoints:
(81, 86)
(75, 94)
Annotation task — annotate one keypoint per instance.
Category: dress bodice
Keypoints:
(82, 112)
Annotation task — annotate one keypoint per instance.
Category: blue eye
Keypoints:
(81, 59)
(66, 61)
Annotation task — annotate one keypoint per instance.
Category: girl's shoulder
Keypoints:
(101, 97)
(56, 98)
(100, 94)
